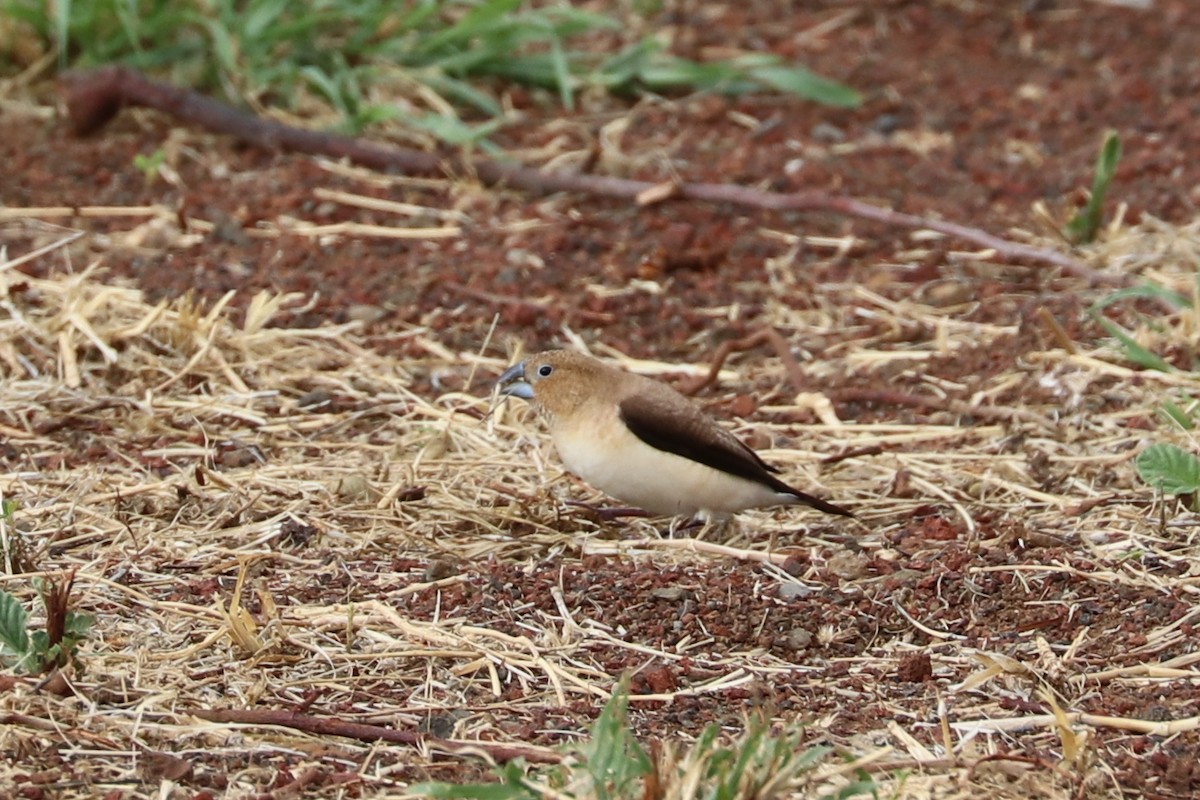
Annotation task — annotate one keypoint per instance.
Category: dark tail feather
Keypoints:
(819, 504)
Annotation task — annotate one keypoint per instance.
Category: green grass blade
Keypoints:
(1145, 291)
(473, 791)
(476, 22)
(461, 91)
(1084, 226)
(456, 132)
(263, 17)
(224, 49)
(619, 72)
(268, 48)
(669, 72)
(62, 31)
(732, 780)
(863, 786)
(562, 74)
(532, 70)
(1133, 351)
(1177, 415)
(807, 84)
(813, 756)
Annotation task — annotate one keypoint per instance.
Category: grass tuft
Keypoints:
(612, 765)
(376, 60)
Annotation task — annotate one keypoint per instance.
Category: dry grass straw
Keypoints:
(167, 450)
(259, 517)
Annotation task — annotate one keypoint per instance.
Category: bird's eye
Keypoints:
(544, 370)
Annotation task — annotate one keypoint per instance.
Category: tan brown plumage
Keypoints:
(644, 443)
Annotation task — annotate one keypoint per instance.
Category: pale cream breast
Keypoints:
(599, 448)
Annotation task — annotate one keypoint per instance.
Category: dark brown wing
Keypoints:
(684, 431)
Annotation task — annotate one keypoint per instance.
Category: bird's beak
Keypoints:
(513, 384)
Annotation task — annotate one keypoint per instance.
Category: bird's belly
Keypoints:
(660, 482)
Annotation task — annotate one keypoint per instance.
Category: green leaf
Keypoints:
(1169, 469)
(1084, 226)
(14, 619)
(1133, 351)
(78, 625)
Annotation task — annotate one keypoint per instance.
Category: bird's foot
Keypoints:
(692, 527)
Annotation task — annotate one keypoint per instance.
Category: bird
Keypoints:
(645, 444)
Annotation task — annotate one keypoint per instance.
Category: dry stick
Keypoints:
(855, 452)
(370, 733)
(94, 97)
(767, 335)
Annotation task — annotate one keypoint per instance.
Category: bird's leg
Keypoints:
(718, 526)
(607, 514)
(701, 525)
(686, 527)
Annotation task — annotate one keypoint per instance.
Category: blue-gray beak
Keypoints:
(513, 384)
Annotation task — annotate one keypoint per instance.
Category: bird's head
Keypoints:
(558, 382)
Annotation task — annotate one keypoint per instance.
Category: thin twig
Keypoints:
(362, 731)
(765, 335)
(95, 97)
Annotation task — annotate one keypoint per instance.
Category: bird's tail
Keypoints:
(819, 504)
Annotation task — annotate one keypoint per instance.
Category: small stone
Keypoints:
(442, 725)
(793, 566)
(670, 593)
(365, 313)
(886, 124)
(793, 591)
(439, 569)
(315, 399)
(829, 134)
(357, 487)
(848, 566)
(743, 406)
(799, 639)
(660, 680)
